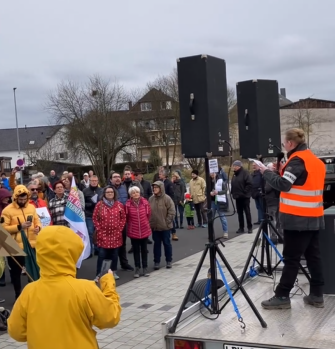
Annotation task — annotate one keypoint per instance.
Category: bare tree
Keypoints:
(196, 163)
(306, 117)
(166, 106)
(95, 119)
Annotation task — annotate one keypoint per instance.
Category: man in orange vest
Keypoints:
(301, 216)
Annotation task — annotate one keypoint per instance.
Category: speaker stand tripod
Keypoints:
(212, 248)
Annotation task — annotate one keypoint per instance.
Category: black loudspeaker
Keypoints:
(203, 106)
(258, 118)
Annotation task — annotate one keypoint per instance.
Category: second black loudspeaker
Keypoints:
(203, 106)
(258, 118)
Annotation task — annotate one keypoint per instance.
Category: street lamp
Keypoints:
(17, 133)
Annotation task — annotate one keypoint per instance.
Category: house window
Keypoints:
(61, 156)
(127, 158)
(166, 105)
(7, 165)
(153, 138)
(146, 106)
(31, 142)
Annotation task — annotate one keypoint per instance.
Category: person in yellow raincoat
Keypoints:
(58, 310)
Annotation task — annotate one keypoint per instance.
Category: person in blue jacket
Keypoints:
(5, 182)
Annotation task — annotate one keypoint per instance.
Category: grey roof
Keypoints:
(283, 101)
(39, 135)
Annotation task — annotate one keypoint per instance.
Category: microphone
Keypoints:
(280, 157)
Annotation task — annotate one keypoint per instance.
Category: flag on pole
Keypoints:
(74, 214)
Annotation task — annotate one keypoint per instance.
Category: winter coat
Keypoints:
(138, 215)
(13, 216)
(122, 193)
(89, 204)
(4, 194)
(53, 180)
(271, 196)
(109, 223)
(257, 184)
(189, 209)
(179, 190)
(163, 210)
(147, 189)
(241, 185)
(169, 189)
(133, 183)
(5, 183)
(198, 190)
(73, 305)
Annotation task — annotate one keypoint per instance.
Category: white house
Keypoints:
(37, 143)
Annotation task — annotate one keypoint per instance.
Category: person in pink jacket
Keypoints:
(138, 213)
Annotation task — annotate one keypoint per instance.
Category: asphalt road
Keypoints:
(190, 242)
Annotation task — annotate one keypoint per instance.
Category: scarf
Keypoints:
(108, 203)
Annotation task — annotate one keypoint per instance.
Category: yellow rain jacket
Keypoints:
(58, 311)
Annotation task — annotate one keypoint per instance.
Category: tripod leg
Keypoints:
(251, 253)
(172, 329)
(240, 287)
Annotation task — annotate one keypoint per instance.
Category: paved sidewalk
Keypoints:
(147, 302)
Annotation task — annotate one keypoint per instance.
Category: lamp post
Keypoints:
(17, 133)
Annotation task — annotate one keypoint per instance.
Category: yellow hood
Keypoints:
(58, 249)
(20, 189)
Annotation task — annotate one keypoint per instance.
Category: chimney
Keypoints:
(283, 92)
(130, 105)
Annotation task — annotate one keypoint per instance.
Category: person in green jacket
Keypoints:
(189, 211)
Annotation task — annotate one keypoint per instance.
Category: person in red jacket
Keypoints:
(40, 205)
(109, 219)
(138, 212)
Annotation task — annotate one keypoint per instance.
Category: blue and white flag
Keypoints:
(74, 214)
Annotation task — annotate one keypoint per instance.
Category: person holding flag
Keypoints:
(75, 216)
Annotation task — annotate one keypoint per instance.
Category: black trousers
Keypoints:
(123, 249)
(296, 244)
(140, 251)
(15, 273)
(243, 205)
(200, 210)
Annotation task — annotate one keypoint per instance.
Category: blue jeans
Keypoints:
(259, 207)
(107, 253)
(223, 219)
(180, 209)
(90, 230)
(160, 237)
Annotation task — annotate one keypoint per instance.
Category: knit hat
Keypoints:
(196, 172)
(237, 163)
(187, 196)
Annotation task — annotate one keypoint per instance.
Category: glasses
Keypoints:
(33, 189)
(109, 192)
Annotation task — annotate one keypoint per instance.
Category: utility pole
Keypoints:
(17, 133)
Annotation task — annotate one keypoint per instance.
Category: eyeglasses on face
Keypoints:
(33, 189)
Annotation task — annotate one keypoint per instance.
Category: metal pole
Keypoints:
(17, 133)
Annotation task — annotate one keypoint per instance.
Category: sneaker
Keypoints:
(156, 266)
(315, 301)
(277, 303)
(189, 227)
(116, 277)
(174, 237)
(24, 271)
(240, 231)
(146, 272)
(168, 265)
(198, 226)
(181, 227)
(225, 235)
(137, 273)
(149, 242)
(127, 267)
(249, 231)
(257, 223)
(204, 226)
(192, 227)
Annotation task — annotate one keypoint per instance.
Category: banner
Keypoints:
(44, 216)
(75, 216)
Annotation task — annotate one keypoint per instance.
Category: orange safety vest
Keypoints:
(304, 200)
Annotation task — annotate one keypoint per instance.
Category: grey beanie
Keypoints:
(237, 163)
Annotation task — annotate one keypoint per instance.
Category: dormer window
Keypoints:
(31, 142)
(146, 106)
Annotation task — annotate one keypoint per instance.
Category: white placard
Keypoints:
(213, 165)
(257, 162)
(44, 216)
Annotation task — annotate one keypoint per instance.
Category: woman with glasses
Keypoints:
(109, 219)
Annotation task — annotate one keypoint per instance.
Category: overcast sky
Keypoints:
(44, 42)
